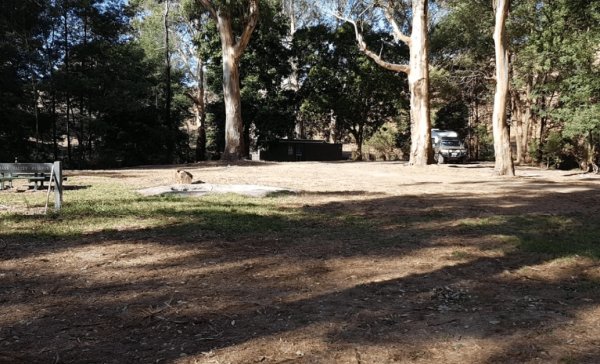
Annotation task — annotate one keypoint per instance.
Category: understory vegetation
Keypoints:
(113, 83)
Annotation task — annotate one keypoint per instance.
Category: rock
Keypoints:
(196, 190)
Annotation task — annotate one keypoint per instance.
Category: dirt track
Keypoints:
(394, 264)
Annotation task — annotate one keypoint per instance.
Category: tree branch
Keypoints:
(363, 48)
(206, 4)
(388, 11)
(191, 97)
(242, 43)
(185, 57)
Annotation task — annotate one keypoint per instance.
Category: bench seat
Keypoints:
(36, 173)
(37, 179)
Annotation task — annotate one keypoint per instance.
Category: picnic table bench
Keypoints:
(36, 179)
(36, 173)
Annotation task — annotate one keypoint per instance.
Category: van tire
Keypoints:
(440, 159)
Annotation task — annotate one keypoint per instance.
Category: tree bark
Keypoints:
(418, 82)
(168, 121)
(232, 50)
(504, 164)
(358, 138)
(67, 95)
(517, 111)
(54, 129)
(592, 154)
(200, 116)
(201, 143)
(540, 131)
(52, 91)
(421, 152)
(332, 128)
(201, 113)
(526, 117)
(234, 126)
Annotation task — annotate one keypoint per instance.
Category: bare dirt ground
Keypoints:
(422, 278)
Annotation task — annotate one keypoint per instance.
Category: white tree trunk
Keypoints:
(234, 127)
(418, 82)
(418, 74)
(504, 164)
(232, 49)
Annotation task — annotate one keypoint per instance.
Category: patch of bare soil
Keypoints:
(422, 288)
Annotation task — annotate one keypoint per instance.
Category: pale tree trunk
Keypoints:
(234, 126)
(418, 74)
(168, 121)
(504, 164)
(232, 51)
(53, 93)
(68, 96)
(200, 117)
(194, 67)
(200, 107)
(332, 128)
(418, 82)
(299, 128)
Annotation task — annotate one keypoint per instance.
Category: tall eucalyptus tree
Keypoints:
(504, 165)
(229, 16)
(417, 68)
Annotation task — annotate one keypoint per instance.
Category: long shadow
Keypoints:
(101, 173)
(237, 283)
(476, 165)
(418, 311)
(218, 163)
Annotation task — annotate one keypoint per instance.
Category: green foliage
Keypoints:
(105, 60)
(557, 53)
(267, 107)
(384, 142)
(485, 143)
(462, 53)
(553, 149)
(82, 55)
(21, 24)
(109, 206)
(341, 82)
(453, 116)
(463, 36)
(554, 47)
(533, 146)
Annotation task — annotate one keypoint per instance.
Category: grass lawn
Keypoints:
(368, 263)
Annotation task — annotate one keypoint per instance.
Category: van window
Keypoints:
(451, 143)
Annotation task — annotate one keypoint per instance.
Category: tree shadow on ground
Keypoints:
(429, 278)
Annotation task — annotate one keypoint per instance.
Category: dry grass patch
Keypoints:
(370, 263)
